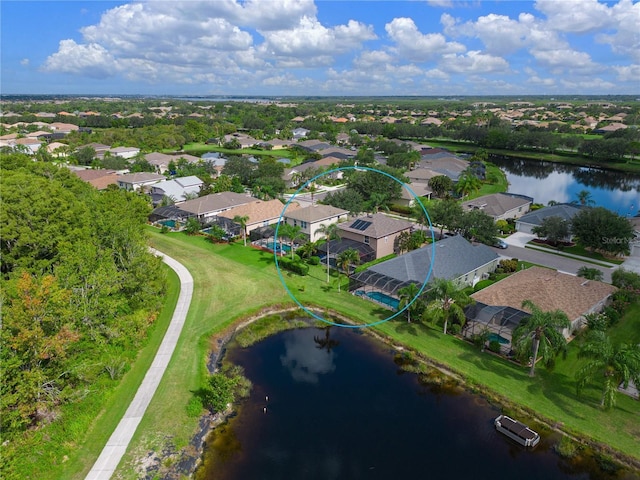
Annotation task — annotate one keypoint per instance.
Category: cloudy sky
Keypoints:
(307, 47)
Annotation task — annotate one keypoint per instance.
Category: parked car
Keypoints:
(500, 244)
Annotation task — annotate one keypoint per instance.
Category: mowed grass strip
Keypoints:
(233, 281)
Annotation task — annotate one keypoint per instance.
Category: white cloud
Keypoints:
(91, 60)
(416, 46)
(473, 62)
(499, 34)
(24, 62)
(628, 73)
(188, 40)
(311, 39)
(576, 16)
(440, 3)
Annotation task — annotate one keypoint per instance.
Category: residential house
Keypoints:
(100, 178)
(548, 289)
(452, 258)
(529, 221)
(419, 189)
(500, 206)
(137, 181)
(177, 189)
(159, 160)
(300, 132)
(124, 152)
(376, 230)
(260, 213)
(312, 218)
(208, 207)
(216, 159)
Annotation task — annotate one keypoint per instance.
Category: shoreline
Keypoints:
(190, 458)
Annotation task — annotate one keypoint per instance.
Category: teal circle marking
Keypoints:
(315, 315)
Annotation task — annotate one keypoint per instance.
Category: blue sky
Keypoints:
(307, 47)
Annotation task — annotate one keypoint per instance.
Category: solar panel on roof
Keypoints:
(360, 225)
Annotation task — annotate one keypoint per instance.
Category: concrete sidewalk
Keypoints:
(119, 441)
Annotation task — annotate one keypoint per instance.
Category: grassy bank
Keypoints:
(232, 281)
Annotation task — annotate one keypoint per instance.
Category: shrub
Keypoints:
(509, 266)
(482, 284)
(164, 229)
(293, 266)
(566, 447)
(313, 260)
(494, 346)
(455, 329)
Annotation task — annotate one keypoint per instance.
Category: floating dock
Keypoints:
(516, 431)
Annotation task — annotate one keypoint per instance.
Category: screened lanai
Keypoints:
(498, 320)
(368, 280)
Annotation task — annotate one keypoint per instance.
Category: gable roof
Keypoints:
(377, 225)
(315, 213)
(420, 189)
(178, 188)
(454, 256)
(259, 211)
(140, 177)
(215, 202)
(565, 211)
(497, 204)
(548, 289)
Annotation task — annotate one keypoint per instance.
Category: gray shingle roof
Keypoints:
(564, 210)
(454, 256)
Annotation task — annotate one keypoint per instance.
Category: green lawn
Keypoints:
(580, 250)
(200, 148)
(232, 281)
(501, 185)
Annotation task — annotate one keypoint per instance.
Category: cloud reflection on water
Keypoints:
(304, 361)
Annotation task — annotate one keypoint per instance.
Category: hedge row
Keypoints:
(293, 266)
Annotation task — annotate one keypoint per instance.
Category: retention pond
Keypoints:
(332, 404)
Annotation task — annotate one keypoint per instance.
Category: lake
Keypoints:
(345, 411)
(545, 181)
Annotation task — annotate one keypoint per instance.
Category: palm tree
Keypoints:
(330, 232)
(345, 259)
(407, 294)
(242, 221)
(540, 334)
(377, 201)
(294, 233)
(312, 188)
(308, 249)
(615, 363)
(446, 302)
(468, 183)
(584, 197)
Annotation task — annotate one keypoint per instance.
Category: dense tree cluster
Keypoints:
(79, 288)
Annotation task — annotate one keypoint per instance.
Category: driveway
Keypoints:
(557, 262)
(119, 441)
(519, 239)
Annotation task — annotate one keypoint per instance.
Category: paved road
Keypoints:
(119, 441)
(563, 264)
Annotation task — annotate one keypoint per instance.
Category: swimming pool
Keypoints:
(495, 337)
(381, 298)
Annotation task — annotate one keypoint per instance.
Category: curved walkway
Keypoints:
(119, 441)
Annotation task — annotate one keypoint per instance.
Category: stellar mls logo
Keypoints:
(615, 240)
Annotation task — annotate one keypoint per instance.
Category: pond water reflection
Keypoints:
(331, 404)
(546, 181)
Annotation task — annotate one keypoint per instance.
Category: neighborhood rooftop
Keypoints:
(548, 289)
(376, 225)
